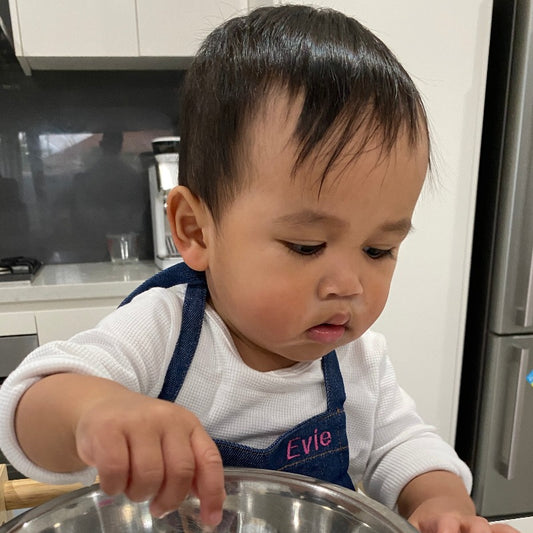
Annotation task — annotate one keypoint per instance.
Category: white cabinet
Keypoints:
(22, 331)
(61, 324)
(19, 323)
(73, 34)
(66, 299)
(117, 34)
(77, 28)
(174, 28)
(56, 320)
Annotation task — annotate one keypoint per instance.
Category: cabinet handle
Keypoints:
(524, 315)
(509, 462)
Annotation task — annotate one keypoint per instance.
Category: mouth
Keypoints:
(330, 331)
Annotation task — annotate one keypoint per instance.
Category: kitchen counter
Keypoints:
(78, 281)
(524, 525)
(65, 299)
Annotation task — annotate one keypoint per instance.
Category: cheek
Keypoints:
(270, 307)
(268, 300)
(380, 294)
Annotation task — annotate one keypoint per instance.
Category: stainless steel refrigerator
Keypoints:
(495, 422)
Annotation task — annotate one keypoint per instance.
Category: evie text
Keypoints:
(305, 445)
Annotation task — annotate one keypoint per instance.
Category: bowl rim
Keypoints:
(350, 501)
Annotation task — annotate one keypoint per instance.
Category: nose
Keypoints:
(340, 282)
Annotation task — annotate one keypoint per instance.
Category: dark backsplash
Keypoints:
(74, 153)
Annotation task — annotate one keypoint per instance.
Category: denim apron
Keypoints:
(317, 447)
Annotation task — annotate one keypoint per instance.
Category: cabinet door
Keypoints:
(77, 28)
(170, 28)
(61, 324)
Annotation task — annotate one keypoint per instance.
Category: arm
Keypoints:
(145, 447)
(403, 446)
(438, 502)
(409, 466)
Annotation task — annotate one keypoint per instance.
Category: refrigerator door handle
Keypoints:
(524, 315)
(510, 451)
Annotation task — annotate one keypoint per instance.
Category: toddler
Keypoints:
(304, 147)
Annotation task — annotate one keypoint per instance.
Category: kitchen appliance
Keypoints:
(495, 421)
(19, 268)
(258, 501)
(163, 176)
(13, 349)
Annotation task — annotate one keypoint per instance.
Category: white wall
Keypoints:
(444, 46)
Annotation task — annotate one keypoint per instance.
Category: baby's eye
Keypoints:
(377, 253)
(305, 249)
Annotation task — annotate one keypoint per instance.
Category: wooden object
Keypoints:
(26, 493)
(5, 515)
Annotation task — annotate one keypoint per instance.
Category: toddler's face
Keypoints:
(294, 273)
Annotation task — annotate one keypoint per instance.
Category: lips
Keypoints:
(326, 333)
(330, 331)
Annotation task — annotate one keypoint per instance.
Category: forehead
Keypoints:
(271, 141)
(360, 195)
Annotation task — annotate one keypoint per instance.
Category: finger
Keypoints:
(146, 465)
(435, 523)
(503, 528)
(109, 453)
(476, 524)
(209, 479)
(179, 468)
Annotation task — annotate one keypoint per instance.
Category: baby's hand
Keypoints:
(438, 502)
(152, 449)
(453, 523)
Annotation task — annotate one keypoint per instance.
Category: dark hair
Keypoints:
(351, 82)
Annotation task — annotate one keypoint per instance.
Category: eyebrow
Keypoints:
(309, 217)
(402, 226)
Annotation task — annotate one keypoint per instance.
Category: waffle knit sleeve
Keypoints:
(403, 446)
(131, 346)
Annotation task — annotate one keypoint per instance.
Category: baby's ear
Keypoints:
(188, 216)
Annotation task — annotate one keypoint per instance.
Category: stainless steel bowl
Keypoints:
(258, 501)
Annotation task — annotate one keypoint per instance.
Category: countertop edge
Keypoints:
(78, 281)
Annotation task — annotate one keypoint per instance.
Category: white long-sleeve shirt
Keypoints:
(388, 442)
